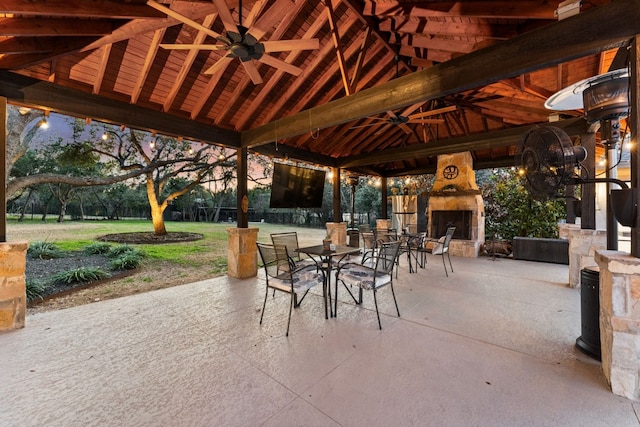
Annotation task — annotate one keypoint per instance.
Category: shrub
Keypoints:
(127, 261)
(97, 248)
(44, 250)
(36, 289)
(117, 251)
(80, 275)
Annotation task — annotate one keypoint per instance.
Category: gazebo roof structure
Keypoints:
(374, 87)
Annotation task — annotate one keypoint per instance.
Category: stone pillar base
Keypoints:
(338, 232)
(383, 224)
(242, 255)
(620, 321)
(13, 296)
(582, 249)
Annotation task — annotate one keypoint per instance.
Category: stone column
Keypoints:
(620, 321)
(13, 297)
(242, 253)
(338, 232)
(583, 244)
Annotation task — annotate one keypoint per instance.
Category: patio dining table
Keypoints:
(326, 257)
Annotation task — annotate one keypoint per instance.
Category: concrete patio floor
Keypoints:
(491, 345)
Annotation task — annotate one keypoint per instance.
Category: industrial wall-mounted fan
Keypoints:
(548, 161)
(241, 42)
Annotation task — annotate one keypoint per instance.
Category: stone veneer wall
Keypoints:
(242, 252)
(475, 204)
(338, 232)
(13, 297)
(582, 248)
(620, 321)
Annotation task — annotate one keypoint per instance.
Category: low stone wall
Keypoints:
(13, 297)
(582, 249)
(620, 321)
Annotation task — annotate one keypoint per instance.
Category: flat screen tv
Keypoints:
(296, 187)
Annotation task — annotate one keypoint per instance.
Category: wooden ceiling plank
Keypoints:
(445, 28)
(129, 30)
(590, 32)
(356, 7)
(294, 88)
(79, 8)
(187, 63)
(43, 27)
(184, 19)
(337, 43)
(74, 44)
(148, 63)
(106, 51)
(206, 94)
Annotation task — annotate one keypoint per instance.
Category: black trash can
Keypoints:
(354, 237)
(589, 341)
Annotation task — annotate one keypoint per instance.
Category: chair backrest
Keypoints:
(448, 237)
(386, 257)
(269, 260)
(289, 240)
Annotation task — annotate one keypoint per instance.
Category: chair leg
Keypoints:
(290, 310)
(448, 256)
(445, 266)
(264, 304)
(394, 298)
(375, 302)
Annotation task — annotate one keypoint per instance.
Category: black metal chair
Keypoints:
(441, 247)
(290, 240)
(373, 277)
(282, 274)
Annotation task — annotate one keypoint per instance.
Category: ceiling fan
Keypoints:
(406, 117)
(241, 42)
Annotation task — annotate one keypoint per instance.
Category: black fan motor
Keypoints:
(548, 160)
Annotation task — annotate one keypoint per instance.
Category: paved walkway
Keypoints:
(491, 345)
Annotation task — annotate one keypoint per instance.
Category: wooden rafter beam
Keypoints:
(366, 41)
(503, 138)
(588, 33)
(337, 43)
(475, 9)
(35, 93)
(80, 8)
(54, 27)
(445, 28)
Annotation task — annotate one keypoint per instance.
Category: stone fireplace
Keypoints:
(456, 200)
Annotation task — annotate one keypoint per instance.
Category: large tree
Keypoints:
(162, 159)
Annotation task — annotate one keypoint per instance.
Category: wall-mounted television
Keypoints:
(296, 187)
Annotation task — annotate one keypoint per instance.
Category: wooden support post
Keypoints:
(588, 215)
(337, 213)
(243, 197)
(383, 189)
(634, 124)
(3, 169)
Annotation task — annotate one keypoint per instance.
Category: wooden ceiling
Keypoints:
(477, 71)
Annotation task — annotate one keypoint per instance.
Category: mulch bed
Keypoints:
(150, 238)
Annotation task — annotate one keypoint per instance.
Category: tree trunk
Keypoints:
(157, 209)
(26, 203)
(63, 210)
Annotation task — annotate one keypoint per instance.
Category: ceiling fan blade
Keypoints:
(225, 16)
(221, 64)
(426, 121)
(190, 22)
(252, 71)
(280, 65)
(286, 45)
(194, 46)
(433, 112)
(407, 112)
(365, 126)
